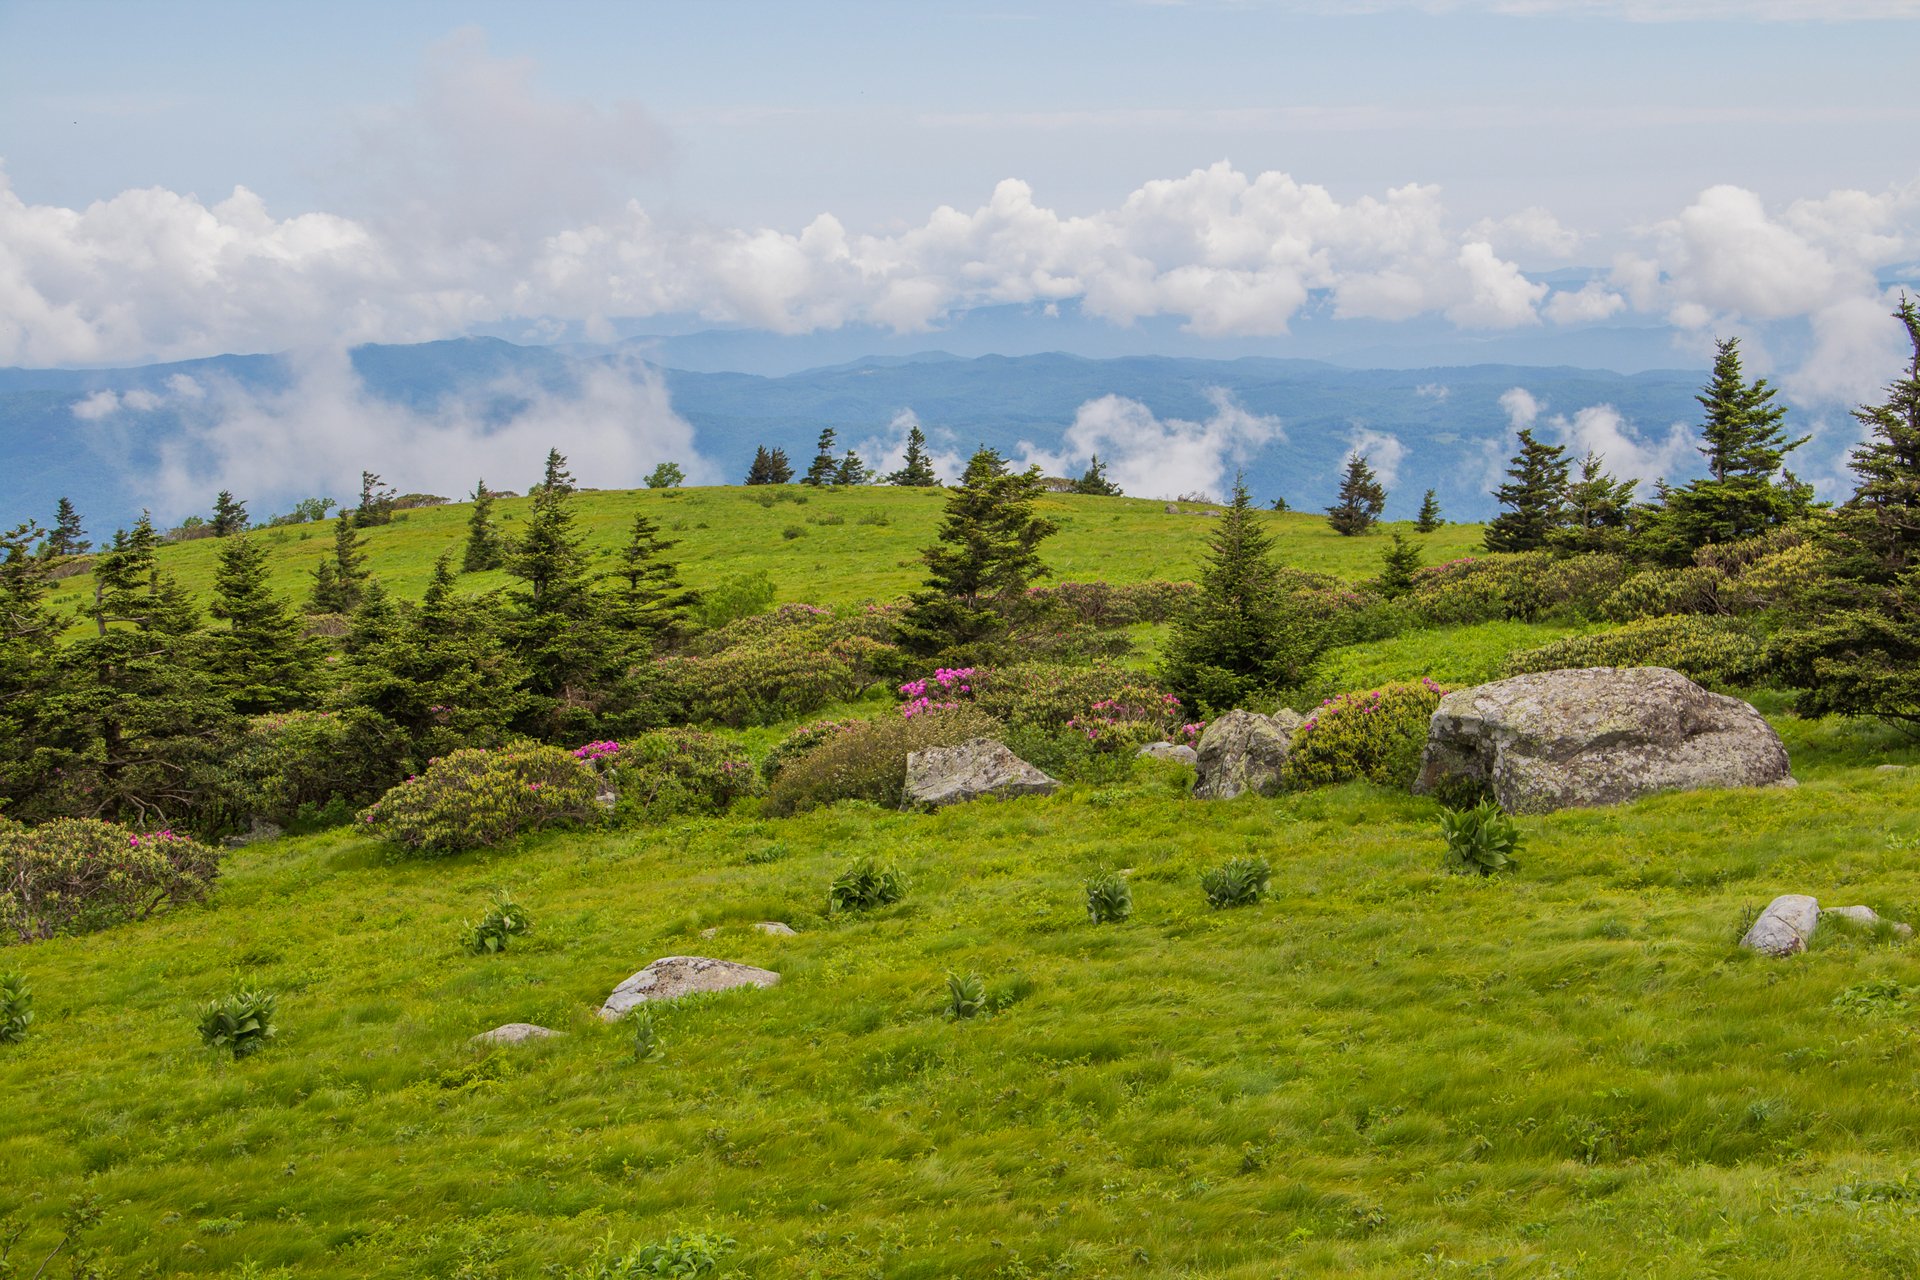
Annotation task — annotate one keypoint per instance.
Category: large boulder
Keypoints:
(977, 767)
(675, 976)
(1785, 927)
(1243, 751)
(1596, 736)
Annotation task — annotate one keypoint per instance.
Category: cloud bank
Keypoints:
(1153, 457)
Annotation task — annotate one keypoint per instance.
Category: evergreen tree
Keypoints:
(1596, 510)
(987, 555)
(376, 501)
(1534, 502)
(667, 475)
(261, 662)
(851, 471)
(1429, 518)
(1397, 565)
(1095, 481)
(29, 635)
(484, 549)
(339, 581)
(760, 471)
(1362, 498)
(229, 515)
(648, 598)
(126, 579)
(1239, 637)
(67, 537)
(780, 470)
(555, 476)
(1278, 504)
(825, 464)
(916, 469)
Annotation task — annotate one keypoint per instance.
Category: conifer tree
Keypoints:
(67, 537)
(555, 476)
(647, 598)
(1534, 501)
(1094, 480)
(484, 549)
(1361, 500)
(339, 581)
(376, 501)
(916, 469)
(825, 464)
(851, 471)
(760, 471)
(780, 469)
(1429, 518)
(1239, 637)
(987, 555)
(261, 662)
(1398, 564)
(29, 634)
(229, 515)
(1595, 514)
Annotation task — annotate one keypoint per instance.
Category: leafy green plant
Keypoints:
(241, 1023)
(673, 772)
(966, 995)
(693, 1254)
(869, 761)
(16, 1007)
(1480, 840)
(476, 798)
(645, 1034)
(1109, 898)
(1376, 735)
(75, 875)
(867, 885)
(1238, 882)
(504, 919)
(1718, 652)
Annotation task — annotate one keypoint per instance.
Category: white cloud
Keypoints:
(1595, 429)
(1521, 408)
(1532, 230)
(96, 406)
(887, 454)
(1148, 456)
(1383, 452)
(1433, 391)
(1592, 302)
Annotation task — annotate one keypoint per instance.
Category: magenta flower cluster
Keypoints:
(594, 752)
(920, 695)
(163, 836)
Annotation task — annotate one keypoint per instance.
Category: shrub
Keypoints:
(1526, 586)
(477, 798)
(692, 1255)
(1656, 593)
(1109, 604)
(1480, 840)
(1376, 735)
(1109, 898)
(800, 742)
(504, 919)
(734, 598)
(241, 1023)
(793, 531)
(775, 675)
(298, 767)
(674, 772)
(966, 995)
(869, 760)
(16, 1008)
(645, 1035)
(1238, 882)
(73, 875)
(866, 885)
(1719, 652)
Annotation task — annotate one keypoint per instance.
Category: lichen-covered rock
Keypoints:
(977, 767)
(1596, 736)
(1785, 927)
(1179, 752)
(671, 977)
(1243, 751)
(1866, 918)
(776, 928)
(515, 1033)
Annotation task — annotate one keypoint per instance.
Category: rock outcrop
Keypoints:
(515, 1033)
(1179, 752)
(978, 767)
(671, 977)
(1785, 927)
(1243, 751)
(1596, 736)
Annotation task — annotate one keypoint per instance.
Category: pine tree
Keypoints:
(484, 549)
(1239, 637)
(1429, 518)
(780, 470)
(1534, 502)
(825, 464)
(555, 476)
(229, 516)
(67, 537)
(125, 578)
(760, 471)
(648, 598)
(987, 555)
(29, 642)
(1362, 498)
(261, 662)
(1095, 481)
(1398, 564)
(916, 469)
(339, 581)
(376, 501)
(1597, 505)
(851, 471)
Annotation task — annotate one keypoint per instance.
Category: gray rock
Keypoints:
(671, 977)
(1173, 508)
(1178, 751)
(1889, 768)
(1597, 736)
(1243, 751)
(1866, 918)
(258, 830)
(515, 1033)
(1785, 927)
(776, 929)
(978, 767)
(607, 798)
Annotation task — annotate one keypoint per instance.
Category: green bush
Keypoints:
(1718, 652)
(800, 742)
(734, 598)
(16, 1008)
(1528, 586)
(966, 995)
(1480, 840)
(505, 919)
(674, 772)
(291, 769)
(1657, 593)
(240, 1023)
(1239, 882)
(1109, 898)
(1107, 604)
(74, 875)
(777, 675)
(692, 1255)
(478, 798)
(866, 885)
(1377, 735)
(869, 761)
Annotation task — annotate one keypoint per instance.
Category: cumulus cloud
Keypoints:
(1597, 429)
(1521, 408)
(1532, 230)
(1154, 457)
(888, 453)
(1383, 452)
(316, 434)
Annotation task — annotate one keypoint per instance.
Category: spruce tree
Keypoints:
(261, 661)
(376, 501)
(851, 471)
(648, 598)
(29, 642)
(1596, 510)
(1094, 480)
(760, 471)
(780, 470)
(1239, 638)
(1534, 501)
(987, 555)
(483, 550)
(825, 464)
(339, 581)
(916, 469)
(67, 537)
(229, 515)
(1361, 500)
(1429, 518)
(1398, 564)
(555, 476)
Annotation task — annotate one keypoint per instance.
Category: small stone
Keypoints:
(671, 977)
(1785, 927)
(515, 1033)
(1866, 918)
(775, 929)
(1889, 768)
(712, 932)
(1177, 751)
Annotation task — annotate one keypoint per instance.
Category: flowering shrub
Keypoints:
(774, 677)
(476, 798)
(801, 741)
(1109, 604)
(948, 685)
(73, 875)
(1719, 652)
(1526, 586)
(1376, 735)
(1655, 593)
(869, 760)
(679, 771)
(597, 752)
(309, 767)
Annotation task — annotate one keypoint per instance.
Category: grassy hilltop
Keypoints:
(1382, 1070)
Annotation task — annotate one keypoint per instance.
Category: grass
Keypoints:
(1380, 1070)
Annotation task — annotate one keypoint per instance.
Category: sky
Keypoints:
(180, 180)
